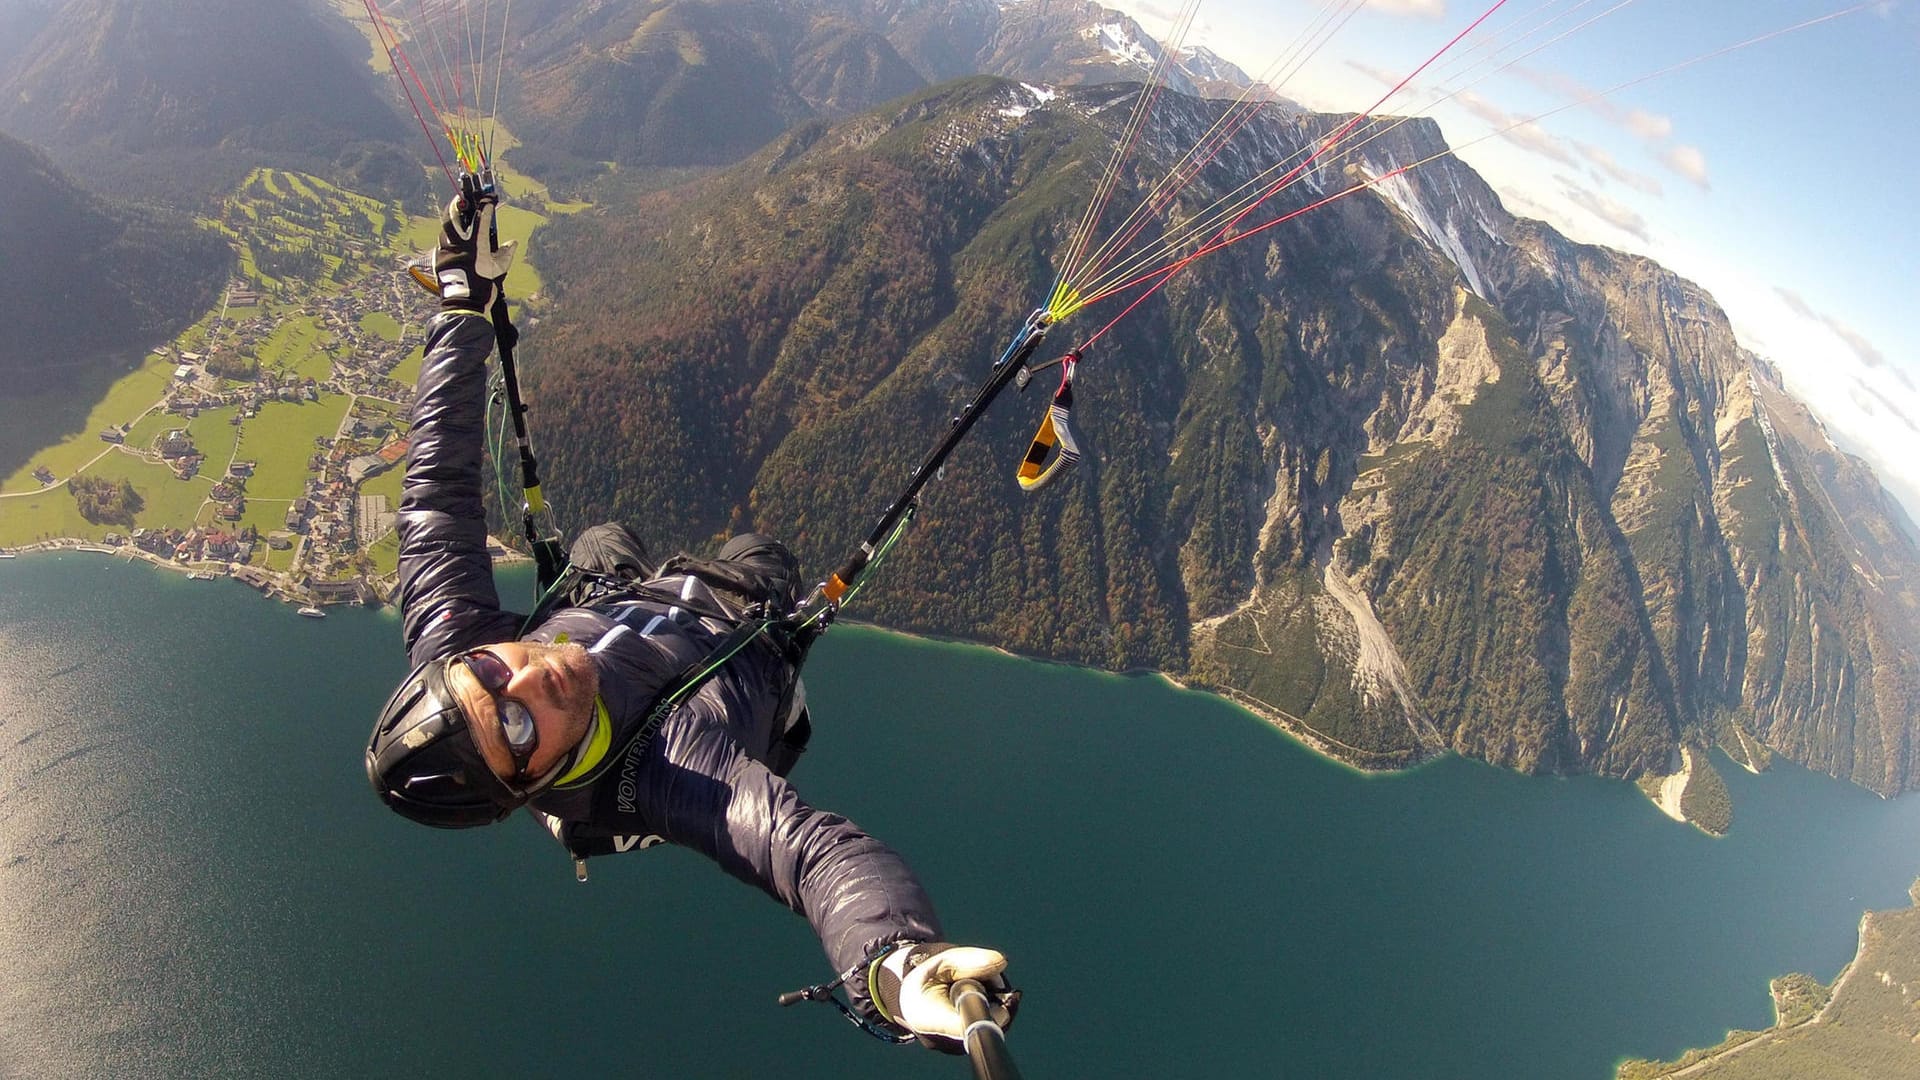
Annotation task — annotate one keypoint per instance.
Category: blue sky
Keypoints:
(1779, 176)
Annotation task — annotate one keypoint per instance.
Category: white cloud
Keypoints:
(1165, 15)
(1379, 75)
(1614, 214)
(1425, 9)
(1867, 398)
(1689, 162)
(1872, 410)
(1863, 350)
(1528, 136)
(1650, 126)
(1606, 164)
(1534, 138)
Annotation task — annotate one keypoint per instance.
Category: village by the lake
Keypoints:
(267, 442)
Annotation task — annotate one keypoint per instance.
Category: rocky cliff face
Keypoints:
(1406, 475)
(1710, 567)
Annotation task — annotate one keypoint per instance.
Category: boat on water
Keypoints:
(6, 555)
(312, 612)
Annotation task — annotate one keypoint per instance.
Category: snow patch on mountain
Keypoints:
(1443, 235)
(1041, 95)
(1120, 43)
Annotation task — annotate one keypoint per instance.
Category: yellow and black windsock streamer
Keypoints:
(421, 271)
(1053, 450)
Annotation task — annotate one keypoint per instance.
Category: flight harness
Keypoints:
(758, 618)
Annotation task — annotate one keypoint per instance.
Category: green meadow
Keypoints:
(300, 241)
(68, 450)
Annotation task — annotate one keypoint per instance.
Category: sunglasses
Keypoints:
(517, 728)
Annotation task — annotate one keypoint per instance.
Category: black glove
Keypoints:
(912, 987)
(467, 263)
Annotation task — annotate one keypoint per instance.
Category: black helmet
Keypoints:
(422, 760)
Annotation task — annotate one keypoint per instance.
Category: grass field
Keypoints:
(381, 323)
(356, 13)
(169, 500)
(387, 483)
(281, 561)
(156, 423)
(70, 449)
(407, 371)
(318, 238)
(214, 435)
(385, 554)
(281, 440)
(297, 347)
(53, 512)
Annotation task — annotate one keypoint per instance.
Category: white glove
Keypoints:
(467, 265)
(916, 982)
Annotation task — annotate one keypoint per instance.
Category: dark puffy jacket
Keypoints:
(702, 781)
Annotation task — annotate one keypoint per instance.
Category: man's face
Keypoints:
(556, 683)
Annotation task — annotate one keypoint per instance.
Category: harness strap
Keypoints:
(674, 694)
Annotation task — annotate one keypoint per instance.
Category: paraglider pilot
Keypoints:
(559, 713)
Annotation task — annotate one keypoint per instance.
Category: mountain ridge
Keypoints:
(178, 101)
(1542, 475)
(706, 82)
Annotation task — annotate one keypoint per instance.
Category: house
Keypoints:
(174, 444)
(113, 435)
(351, 591)
(366, 465)
(43, 474)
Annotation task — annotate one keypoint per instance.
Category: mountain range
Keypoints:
(1407, 475)
(176, 99)
(705, 82)
(1410, 475)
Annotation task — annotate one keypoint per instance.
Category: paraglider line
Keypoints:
(1164, 273)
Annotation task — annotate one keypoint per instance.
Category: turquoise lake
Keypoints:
(196, 881)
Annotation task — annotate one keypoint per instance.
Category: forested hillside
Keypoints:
(1519, 498)
(87, 279)
(179, 100)
(90, 284)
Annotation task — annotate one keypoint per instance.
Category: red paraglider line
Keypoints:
(1167, 272)
(381, 28)
(1203, 154)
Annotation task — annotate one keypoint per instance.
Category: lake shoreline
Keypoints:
(1665, 797)
(1104, 818)
(271, 584)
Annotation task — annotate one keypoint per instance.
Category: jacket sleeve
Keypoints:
(447, 597)
(707, 794)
